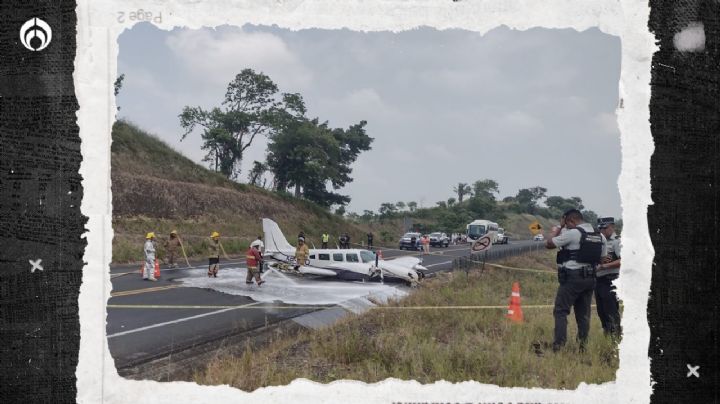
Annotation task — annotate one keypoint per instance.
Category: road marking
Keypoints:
(180, 320)
(233, 307)
(139, 291)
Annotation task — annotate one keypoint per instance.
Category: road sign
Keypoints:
(535, 227)
(484, 243)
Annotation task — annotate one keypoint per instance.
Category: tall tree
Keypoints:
(451, 202)
(487, 188)
(559, 204)
(528, 198)
(256, 172)
(412, 206)
(118, 86)
(227, 131)
(387, 209)
(461, 190)
(311, 156)
(400, 205)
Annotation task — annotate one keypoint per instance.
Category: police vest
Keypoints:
(590, 251)
(325, 238)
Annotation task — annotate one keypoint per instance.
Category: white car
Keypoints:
(539, 237)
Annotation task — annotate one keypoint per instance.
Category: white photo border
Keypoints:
(95, 71)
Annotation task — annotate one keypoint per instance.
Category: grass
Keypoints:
(436, 344)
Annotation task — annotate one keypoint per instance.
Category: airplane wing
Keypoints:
(410, 262)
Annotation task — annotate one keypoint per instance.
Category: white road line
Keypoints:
(180, 320)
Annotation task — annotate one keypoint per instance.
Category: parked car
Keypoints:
(539, 237)
(410, 241)
(439, 240)
(501, 237)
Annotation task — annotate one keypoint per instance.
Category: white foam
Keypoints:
(280, 288)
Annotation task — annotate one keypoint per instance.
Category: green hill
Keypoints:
(155, 188)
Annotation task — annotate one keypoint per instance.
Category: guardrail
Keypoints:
(475, 260)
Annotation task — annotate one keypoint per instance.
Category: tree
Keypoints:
(118, 86)
(340, 211)
(309, 155)
(387, 210)
(528, 198)
(400, 206)
(451, 202)
(559, 204)
(461, 190)
(256, 172)
(590, 217)
(412, 206)
(367, 215)
(227, 131)
(441, 204)
(487, 188)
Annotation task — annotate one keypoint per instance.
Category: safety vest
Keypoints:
(590, 251)
(325, 237)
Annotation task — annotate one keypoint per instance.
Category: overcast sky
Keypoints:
(524, 108)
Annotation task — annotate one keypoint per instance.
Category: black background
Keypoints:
(40, 157)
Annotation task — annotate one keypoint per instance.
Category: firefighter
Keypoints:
(214, 255)
(581, 251)
(302, 252)
(253, 260)
(171, 246)
(261, 248)
(605, 297)
(149, 248)
(325, 240)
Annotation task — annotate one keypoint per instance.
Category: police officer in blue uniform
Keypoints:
(605, 297)
(581, 251)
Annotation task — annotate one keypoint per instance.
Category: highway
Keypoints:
(185, 310)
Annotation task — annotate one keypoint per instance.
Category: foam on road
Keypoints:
(280, 288)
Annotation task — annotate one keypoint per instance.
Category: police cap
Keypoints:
(604, 222)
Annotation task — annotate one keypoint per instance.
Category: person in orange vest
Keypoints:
(253, 259)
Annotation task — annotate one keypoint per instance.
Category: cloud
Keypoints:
(218, 55)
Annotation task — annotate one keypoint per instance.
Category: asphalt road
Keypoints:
(149, 320)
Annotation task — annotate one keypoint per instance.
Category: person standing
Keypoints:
(302, 252)
(581, 251)
(253, 259)
(261, 248)
(606, 299)
(370, 240)
(347, 241)
(171, 246)
(325, 240)
(425, 241)
(214, 255)
(149, 249)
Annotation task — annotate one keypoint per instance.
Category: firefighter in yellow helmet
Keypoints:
(214, 255)
(149, 248)
(172, 245)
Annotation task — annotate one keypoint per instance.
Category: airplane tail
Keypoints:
(275, 241)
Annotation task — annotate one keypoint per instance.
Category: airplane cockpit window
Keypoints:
(312, 257)
(352, 257)
(367, 256)
(337, 257)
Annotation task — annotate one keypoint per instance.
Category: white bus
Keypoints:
(479, 228)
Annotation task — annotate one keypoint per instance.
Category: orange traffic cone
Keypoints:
(157, 269)
(515, 311)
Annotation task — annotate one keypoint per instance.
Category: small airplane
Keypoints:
(346, 264)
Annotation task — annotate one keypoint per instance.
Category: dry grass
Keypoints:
(436, 344)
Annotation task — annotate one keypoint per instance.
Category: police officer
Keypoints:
(607, 303)
(325, 240)
(581, 251)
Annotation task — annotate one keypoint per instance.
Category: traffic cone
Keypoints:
(515, 313)
(157, 269)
